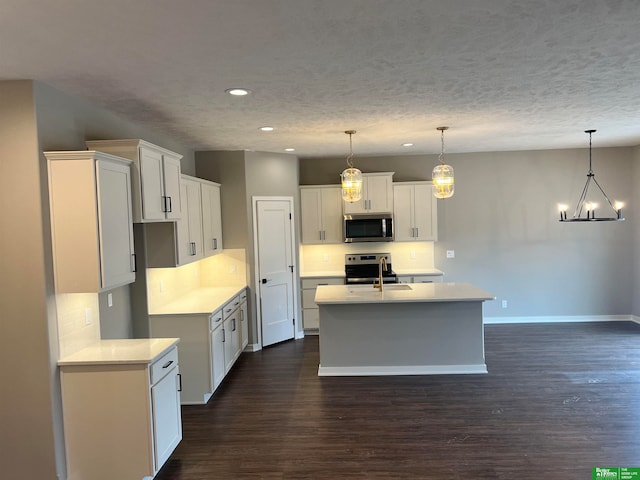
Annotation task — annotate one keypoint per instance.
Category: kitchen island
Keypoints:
(407, 329)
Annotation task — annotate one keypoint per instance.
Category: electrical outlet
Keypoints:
(110, 299)
(234, 269)
(161, 286)
(504, 304)
(325, 257)
(451, 254)
(87, 316)
(412, 255)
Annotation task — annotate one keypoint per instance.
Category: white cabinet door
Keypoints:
(377, 195)
(217, 356)
(311, 214)
(425, 212)
(167, 422)
(152, 191)
(404, 229)
(332, 215)
(244, 322)
(415, 214)
(171, 183)
(229, 353)
(211, 218)
(91, 221)
(189, 227)
(321, 209)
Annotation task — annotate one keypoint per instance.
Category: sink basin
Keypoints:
(385, 288)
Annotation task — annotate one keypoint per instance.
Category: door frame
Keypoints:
(297, 332)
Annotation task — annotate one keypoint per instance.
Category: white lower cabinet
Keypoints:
(310, 311)
(121, 420)
(244, 321)
(210, 345)
(420, 278)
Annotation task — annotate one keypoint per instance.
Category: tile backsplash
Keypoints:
(330, 258)
(78, 321)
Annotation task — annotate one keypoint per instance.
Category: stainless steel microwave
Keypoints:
(368, 228)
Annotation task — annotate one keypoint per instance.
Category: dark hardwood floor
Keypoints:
(559, 399)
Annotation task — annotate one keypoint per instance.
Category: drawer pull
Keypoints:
(166, 365)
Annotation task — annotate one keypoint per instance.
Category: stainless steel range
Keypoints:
(364, 268)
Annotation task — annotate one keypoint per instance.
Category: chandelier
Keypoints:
(442, 176)
(588, 206)
(351, 177)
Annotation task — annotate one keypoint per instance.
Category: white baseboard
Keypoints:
(561, 319)
(252, 347)
(400, 370)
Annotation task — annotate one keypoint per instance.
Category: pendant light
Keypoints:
(351, 177)
(442, 176)
(589, 206)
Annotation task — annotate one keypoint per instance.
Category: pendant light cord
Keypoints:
(350, 156)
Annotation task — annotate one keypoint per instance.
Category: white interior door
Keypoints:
(275, 270)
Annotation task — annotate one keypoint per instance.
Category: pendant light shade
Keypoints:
(442, 176)
(587, 205)
(351, 177)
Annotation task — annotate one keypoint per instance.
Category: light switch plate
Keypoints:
(451, 254)
(110, 299)
(87, 316)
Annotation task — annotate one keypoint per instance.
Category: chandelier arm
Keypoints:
(605, 196)
(583, 197)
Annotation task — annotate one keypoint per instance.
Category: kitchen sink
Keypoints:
(372, 289)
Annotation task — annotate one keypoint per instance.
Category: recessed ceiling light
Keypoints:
(407, 144)
(238, 92)
(289, 149)
(267, 129)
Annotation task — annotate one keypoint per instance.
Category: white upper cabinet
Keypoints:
(155, 178)
(189, 227)
(91, 221)
(415, 214)
(377, 194)
(211, 218)
(321, 209)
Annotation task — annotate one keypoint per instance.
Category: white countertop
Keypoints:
(396, 293)
(202, 300)
(143, 350)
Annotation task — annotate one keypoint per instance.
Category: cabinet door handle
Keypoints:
(164, 204)
(224, 335)
(179, 382)
(233, 320)
(166, 365)
(215, 243)
(417, 232)
(170, 206)
(193, 248)
(134, 263)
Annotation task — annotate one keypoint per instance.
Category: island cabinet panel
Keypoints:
(91, 221)
(310, 313)
(155, 177)
(321, 209)
(377, 195)
(121, 420)
(415, 214)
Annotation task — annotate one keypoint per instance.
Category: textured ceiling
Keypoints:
(503, 74)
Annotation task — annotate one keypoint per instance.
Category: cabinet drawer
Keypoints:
(310, 318)
(215, 320)
(243, 296)
(314, 282)
(164, 365)
(230, 307)
(427, 279)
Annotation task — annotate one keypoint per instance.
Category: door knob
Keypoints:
(264, 280)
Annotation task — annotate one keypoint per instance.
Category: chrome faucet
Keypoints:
(383, 261)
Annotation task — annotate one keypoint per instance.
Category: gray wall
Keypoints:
(502, 225)
(34, 118)
(244, 175)
(634, 216)
(29, 390)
